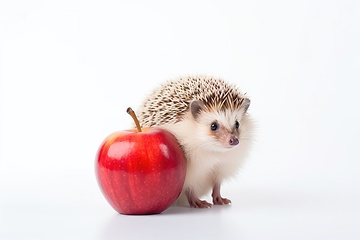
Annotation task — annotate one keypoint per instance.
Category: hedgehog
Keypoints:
(209, 118)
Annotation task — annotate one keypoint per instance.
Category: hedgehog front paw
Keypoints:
(218, 200)
(195, 202)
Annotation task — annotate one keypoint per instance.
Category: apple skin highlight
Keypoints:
(140, 172)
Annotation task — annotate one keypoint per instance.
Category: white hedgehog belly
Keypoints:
(205, 169)
(200, 174)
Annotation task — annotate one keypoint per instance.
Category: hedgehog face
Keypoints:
(219, 130)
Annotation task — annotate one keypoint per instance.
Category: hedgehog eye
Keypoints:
(214, 126)
(237, 124)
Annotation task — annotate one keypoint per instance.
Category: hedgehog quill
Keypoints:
(210, 119)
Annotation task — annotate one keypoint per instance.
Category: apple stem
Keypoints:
(133, 115)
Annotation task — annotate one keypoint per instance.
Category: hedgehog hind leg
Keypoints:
(217, 198)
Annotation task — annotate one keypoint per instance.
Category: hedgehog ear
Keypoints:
(195, 107)
(246, 104)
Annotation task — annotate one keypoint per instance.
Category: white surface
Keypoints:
(69, 69)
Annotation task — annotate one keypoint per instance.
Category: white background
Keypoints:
(69, 69)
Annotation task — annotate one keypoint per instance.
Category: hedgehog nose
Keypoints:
(233, 141)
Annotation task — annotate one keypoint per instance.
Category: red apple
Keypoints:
(140, 171)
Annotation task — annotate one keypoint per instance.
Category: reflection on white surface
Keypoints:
(273, 215)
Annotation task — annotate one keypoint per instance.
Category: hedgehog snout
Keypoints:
(233, 141)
